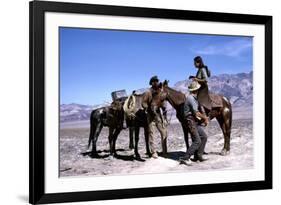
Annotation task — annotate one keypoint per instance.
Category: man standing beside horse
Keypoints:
(156, 116)
(194, 117)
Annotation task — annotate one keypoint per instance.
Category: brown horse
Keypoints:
(223, 114)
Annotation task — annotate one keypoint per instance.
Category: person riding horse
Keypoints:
(202, 75)
(156, 118)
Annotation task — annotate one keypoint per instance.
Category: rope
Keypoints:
(130, 106)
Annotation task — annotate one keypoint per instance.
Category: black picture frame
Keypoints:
(37, 10)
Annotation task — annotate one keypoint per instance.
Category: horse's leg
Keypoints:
(228, 126)
(131, 134)
(164, 146)
(137, 132)
(95, 138)
(93, 128)
(110, 139)
(114, 138)
(146, 137)
(225, 121)
(185, 133)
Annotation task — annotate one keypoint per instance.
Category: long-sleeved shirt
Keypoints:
(191, 106)
(202, 74)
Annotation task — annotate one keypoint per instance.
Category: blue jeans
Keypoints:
(198, 136)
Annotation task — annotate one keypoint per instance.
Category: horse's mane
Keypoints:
(178, 97)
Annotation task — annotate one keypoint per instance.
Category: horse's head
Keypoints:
(164, 91)
(157, 100)
(165, 83)
(174, 97)
(158, 97)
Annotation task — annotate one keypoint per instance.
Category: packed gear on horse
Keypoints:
(130, 107)
(119, 95)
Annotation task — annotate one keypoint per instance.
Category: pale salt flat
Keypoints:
(74, 140)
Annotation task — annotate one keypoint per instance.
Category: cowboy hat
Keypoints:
(194, 85)
(153, 79)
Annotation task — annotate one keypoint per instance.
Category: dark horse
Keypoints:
(110, 116)
(223, 114)
(136, 121)
(113, 117)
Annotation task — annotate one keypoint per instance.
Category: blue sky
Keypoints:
(93, 63)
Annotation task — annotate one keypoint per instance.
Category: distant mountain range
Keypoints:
(74, 111)
(237, 87)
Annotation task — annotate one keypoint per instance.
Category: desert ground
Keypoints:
(75, 160)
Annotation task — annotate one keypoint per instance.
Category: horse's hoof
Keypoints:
(148, 154)
(94, 155)
(165, 155)
(137, 156)
(110, 157)
(224, 152)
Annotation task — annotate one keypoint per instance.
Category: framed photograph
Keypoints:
(130, 102)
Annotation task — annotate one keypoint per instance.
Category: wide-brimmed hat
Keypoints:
(153, 79)
(194, 86)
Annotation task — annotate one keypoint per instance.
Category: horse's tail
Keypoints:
(230, 116)
(92, 128)
(229, 107)
(230, 121)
